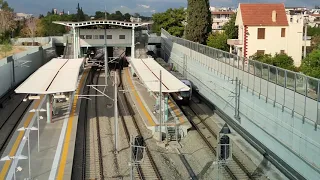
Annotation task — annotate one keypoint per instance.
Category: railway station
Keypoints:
(111, 108)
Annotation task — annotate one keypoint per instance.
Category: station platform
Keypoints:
(53, 159)
(145, 102)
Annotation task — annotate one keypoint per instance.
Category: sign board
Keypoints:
(33, 97)
(59, 96)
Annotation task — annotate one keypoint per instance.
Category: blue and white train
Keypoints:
(183, 97)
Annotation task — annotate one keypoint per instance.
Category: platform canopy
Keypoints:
(102, 22)
(148, 70)
(56, 76)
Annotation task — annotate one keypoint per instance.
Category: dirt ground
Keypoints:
(15, 49)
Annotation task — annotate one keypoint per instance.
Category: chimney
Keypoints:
(274, 16)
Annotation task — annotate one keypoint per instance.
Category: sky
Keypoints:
(145, 7)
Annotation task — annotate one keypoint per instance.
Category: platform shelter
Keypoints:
(148, 71)
(57, 79)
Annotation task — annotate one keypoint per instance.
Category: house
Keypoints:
(219, 18)
(267, 29)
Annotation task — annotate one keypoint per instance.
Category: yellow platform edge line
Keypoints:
(16, 144)
(176, 111)
(66, 142)
(143, 108)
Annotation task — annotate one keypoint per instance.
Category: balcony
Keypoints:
(234, 42)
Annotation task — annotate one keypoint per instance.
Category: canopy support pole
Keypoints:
(48, 108)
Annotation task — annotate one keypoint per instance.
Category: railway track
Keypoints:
(233, 169)
(94, 161)
(9, 124)
(147, 169)
(80, 154)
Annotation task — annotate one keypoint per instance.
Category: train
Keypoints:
(182, 97)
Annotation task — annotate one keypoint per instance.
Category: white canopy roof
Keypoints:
(58, 75)
(148, 71)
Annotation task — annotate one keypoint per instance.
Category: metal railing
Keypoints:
(291, 90)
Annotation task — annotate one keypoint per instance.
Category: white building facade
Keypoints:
(115, 37)
(270, 31)
(220, 18)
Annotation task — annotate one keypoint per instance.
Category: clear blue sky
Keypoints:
(131, 6)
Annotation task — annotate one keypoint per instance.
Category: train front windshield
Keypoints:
(184, 93)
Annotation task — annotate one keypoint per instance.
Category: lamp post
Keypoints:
(305, 38)
(9, 158)
(28, 139)
(116, 110)
(38, 123)
(160, 106)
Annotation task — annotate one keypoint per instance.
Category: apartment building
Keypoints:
(22, 16)
(220, 16)
(267, 29)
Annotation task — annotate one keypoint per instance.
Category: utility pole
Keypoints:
(237, 99)
(305, 38)
(116, 110)
(160, 106)
(106, 68)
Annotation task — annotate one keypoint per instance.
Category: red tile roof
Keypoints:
(261, 14)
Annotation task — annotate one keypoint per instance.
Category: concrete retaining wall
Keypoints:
(295, 142)
(15, 69)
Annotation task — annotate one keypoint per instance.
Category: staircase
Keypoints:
(172, 134)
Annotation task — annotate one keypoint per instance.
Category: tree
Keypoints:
(218, 40)
(311, 64)
(264, 58)
(6, 47)
(171, 21)
(280, 60)
(198, 21)
(32, 28)
(100, 15)
(136, 15)
(80, 14)
(50, 29)
(127, 17)
(313, 31)
(7, 23)
(230, 28)
(5, 6)
(284, 61)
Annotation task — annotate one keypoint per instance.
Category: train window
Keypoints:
(88, 36)
(101, 36)
(82, 37)
(109, 36)
(185, 93)
(96, 37)
(122, 36)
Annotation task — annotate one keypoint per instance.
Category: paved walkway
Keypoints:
(55, 155)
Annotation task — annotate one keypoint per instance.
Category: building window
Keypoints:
(88, 36)
(109, 36)
(282, 52)
(283, 32)
(122, 36)
(260, 52)
(261, 33)
(101, 36)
